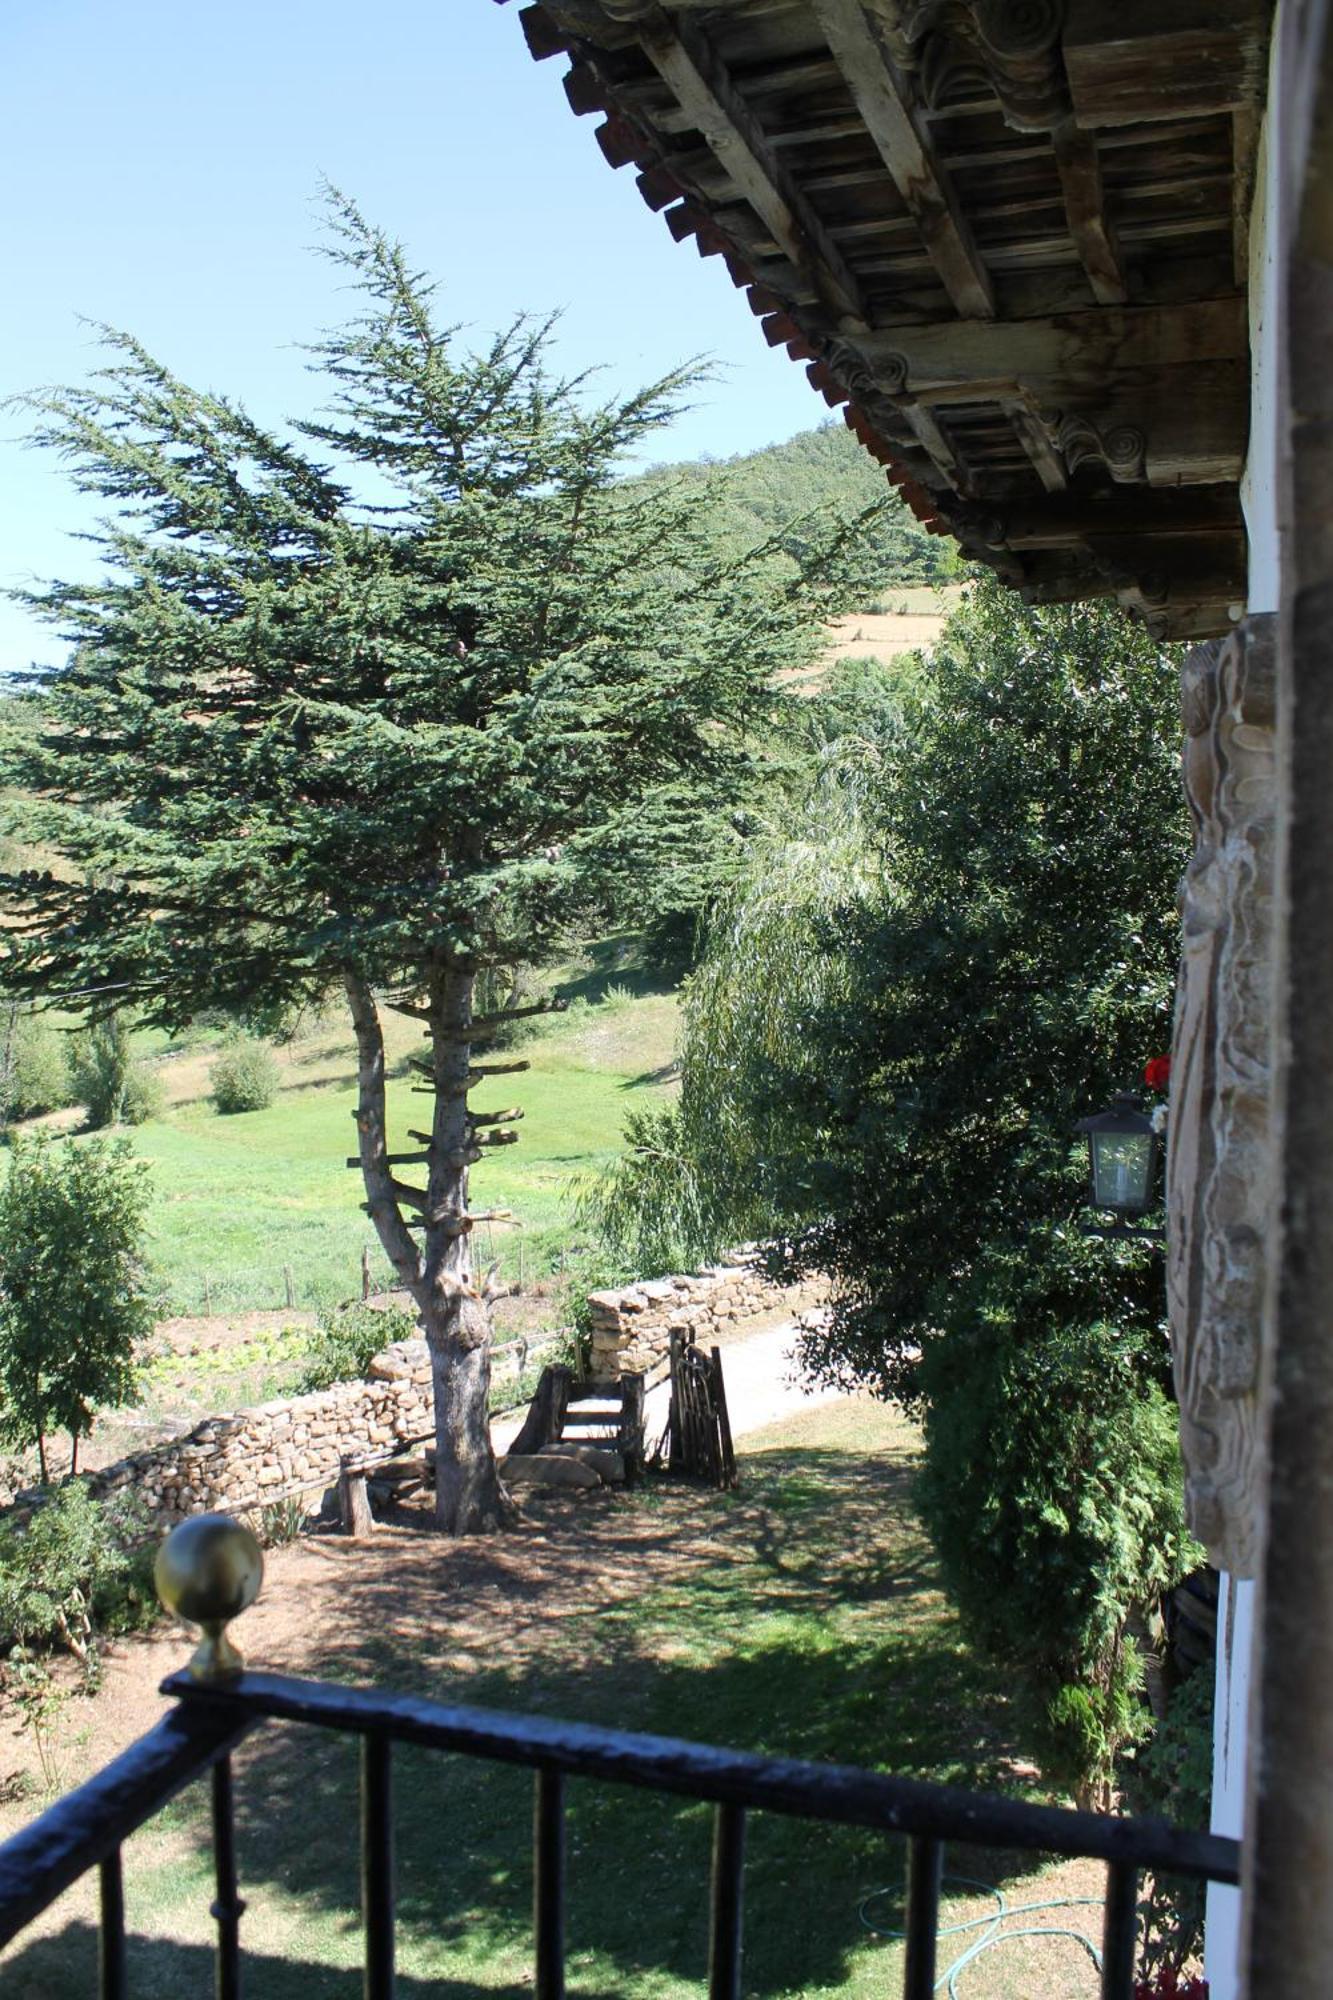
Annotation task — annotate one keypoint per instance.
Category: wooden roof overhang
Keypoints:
(1008, 236)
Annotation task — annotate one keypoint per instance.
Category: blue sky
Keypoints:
(161, 167)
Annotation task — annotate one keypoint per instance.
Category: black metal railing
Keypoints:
(86, 1829)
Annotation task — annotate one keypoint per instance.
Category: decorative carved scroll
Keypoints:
(1220, 1159)
(1121, 448)
(854, 371)
(965, 48)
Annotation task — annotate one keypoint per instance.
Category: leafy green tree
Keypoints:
(108, 1079)
(305, 740)
(729, 1161)
(1017, 968)
(34, 1064)
(881, 1073)
(74, 1305)
(783, 495)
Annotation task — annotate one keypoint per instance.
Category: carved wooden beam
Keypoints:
(1163, 513)
(1219, 1162)
(908, 152)
(1083, 350)
(688, 65)
(1121, 448)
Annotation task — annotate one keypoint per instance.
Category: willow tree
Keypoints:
(305, 739)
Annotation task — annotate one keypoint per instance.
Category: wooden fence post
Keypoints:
(354, 1501)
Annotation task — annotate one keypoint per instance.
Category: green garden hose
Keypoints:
(992, 1926)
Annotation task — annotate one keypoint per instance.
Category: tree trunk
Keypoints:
(455, 1314)
(468, 1496)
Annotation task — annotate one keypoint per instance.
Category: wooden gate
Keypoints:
(568, 1409)
(699, 1430)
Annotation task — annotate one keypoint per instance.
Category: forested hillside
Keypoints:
(785, 489)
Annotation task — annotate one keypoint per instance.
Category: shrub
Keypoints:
(108, 1081)
(1052, 1489)
(78, 1568)
(245, 1076)
(347, 1339)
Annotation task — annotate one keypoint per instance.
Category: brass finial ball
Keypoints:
(208, 1571)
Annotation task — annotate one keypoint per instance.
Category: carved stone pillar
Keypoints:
(1219, 1173)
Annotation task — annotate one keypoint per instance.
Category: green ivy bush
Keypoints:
(245, 1076)
(346, 1340)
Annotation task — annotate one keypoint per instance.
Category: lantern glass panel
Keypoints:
(1121, 1169)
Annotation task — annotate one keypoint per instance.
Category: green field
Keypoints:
(240, 1201)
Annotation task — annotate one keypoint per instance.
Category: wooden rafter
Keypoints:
(1037, 442)
(687, 64)
(944, 209)
(908, 151)
(1085, 207)
(925, 428)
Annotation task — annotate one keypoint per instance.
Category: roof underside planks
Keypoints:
(1007, 237)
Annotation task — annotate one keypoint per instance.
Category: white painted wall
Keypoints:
(1259, 483)
(1260, 501)
(1235, 1631)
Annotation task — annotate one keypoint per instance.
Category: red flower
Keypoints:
(1157, 1073)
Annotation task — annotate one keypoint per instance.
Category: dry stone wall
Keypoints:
(284, 1448)
(254, 1458)
(632, 1326)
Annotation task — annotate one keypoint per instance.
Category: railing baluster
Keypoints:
(227, 1907)
(377, 1889)
(925, 1865)
(548, 1882)
(1120, 1931)
(727, 1904)
(111, 1982)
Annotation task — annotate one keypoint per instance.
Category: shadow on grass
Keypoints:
(798, 1616)
(795, 1625)
(646, 1079)
(616, 963)
(164, 1969)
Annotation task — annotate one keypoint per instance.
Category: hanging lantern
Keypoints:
(1122, 1155)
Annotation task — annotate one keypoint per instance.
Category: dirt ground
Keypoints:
(310, 1585)
(336, 1608)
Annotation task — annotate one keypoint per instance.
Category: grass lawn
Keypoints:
(243, 1200)
(800, 1614)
